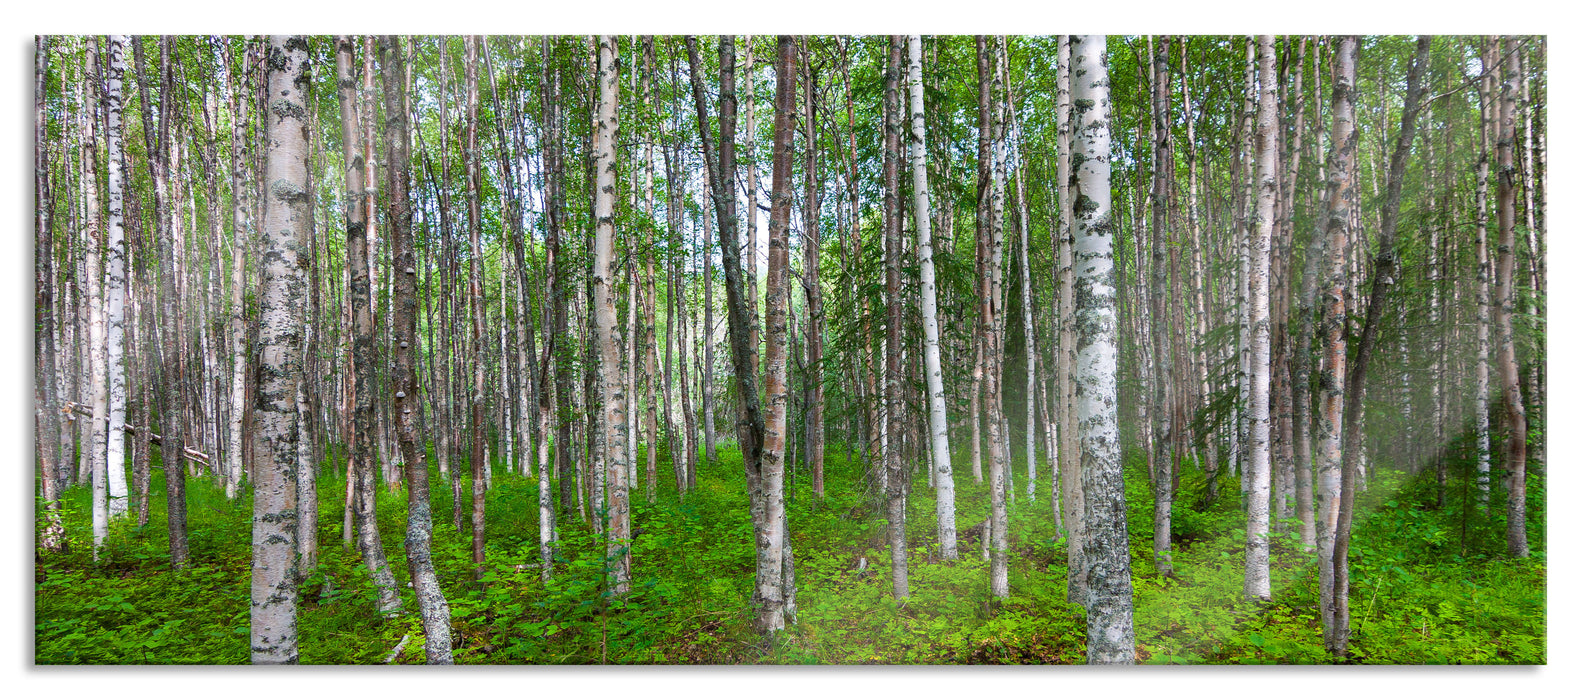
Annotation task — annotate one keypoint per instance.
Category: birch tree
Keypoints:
(938, 422)
(606, 323)
(1342, 199)
(1255, 584)
(895, 480)
(115, 276)
(360, 296)
(286, 218)
(1109, 576)
(1505, 304)
(433, 609)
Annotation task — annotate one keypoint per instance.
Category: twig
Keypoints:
(398, 648)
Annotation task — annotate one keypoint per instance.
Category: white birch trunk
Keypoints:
(115, 280)
(1110, 635)
(1255, 584)
(606, 323)
(286, 218)
(99, 399)
(938, 423)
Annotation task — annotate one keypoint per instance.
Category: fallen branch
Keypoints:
(71, 407)
(399, 646)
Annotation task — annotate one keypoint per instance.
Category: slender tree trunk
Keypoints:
(360, 295)
(1336, 637)
(895, 503)
(116, 279)
(606, 324)
(1256, 580)
(938, 422)
(88, 178)
(475, 295)
(1109, 579)
(1480, 417)
(1164, 387)
(812, 240)
(286, 217)
(1505, 307)
(768, 592)
(432, 607)
(1342, 199)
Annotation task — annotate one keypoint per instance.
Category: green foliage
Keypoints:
(1422, 591)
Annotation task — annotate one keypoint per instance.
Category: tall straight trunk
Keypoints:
(811, 244)
(432, 607)
(1342, 200)
(750, 243)
(989, 294)
(1245, 207)
(1356, 374)
(475, 296)
(938, 422)
(359, 295)
(1071, 498)
(45, 399)
(606, 324)
(1505, 307)
(895, 503)
(115, 273)
(558, 287)
(1164, 387)
(1109, 581)
(1480, 417)
(88, 179)
(1255, 583)
(286, 218)
(777, 285)
(172, 416)
(242, 237)
(768, 591)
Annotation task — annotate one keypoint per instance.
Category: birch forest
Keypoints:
(756, 349)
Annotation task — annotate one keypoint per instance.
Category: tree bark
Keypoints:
(1505, 307)
(938, 421)
(606, 324)
(1109, 581)
(360, 296)
(1342, 200)
(895, 502)
(286, 217)
(1255, 584)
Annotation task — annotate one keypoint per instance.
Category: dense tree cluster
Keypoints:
(1275, 267)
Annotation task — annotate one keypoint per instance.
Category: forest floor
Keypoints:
(1430, 584)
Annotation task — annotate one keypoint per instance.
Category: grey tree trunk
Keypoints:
(1071, 503)
(775, 546)
(1505, 308)
(895, 480)
(243, 234)
(360, 297)
(1109, 576)
(1356, 374)
(1480, 417)
(45, 398)
(286, 218)
(432, 607)
(1164, 403)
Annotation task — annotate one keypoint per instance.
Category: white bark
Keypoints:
(1255, 582)
(286, 218)
(606, 324)
(1110, 634)
(89, 182)
(939, 437)
(115, 279)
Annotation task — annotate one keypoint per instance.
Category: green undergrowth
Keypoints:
(1430, 583)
